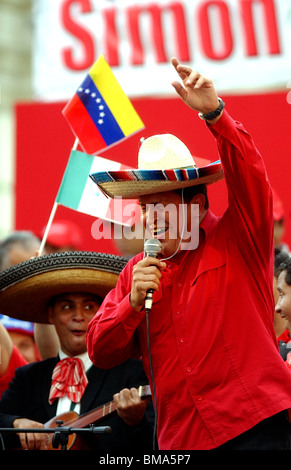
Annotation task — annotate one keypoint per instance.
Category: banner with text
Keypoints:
(243, 45)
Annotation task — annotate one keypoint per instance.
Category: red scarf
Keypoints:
(69, 378)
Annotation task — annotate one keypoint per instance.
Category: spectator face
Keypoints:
(283, 306)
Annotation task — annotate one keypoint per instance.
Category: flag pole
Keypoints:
(53, 212)
(43, 242)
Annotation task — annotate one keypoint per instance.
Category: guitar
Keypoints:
(72, 419)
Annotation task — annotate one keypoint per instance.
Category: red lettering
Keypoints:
(213, 21)
(208, 40)
(111, 37)
(180, 32)
(155, 11)
(270, 22)
(79, 32)
(137, 55)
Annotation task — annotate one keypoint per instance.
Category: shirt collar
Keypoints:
(205, 227)
(84, 358)
(208, 222)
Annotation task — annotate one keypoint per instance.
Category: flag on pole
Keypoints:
(78, 192)
(99, 113)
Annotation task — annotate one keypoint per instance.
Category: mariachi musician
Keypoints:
(66, 289)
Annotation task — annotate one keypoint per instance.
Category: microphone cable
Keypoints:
(152, 378)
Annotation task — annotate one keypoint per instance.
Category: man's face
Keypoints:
(163, 217)
(283, 306)
(71, 314)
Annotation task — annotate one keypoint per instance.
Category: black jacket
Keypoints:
(27, 397)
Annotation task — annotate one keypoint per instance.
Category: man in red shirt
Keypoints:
(208, 343)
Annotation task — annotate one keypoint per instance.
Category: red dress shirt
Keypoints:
(216, 365)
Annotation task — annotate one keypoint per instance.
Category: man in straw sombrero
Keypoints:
(66, 289)
(208, 342)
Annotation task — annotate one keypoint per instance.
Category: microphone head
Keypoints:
(152, 247)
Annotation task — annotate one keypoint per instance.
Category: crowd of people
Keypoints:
(206, 363)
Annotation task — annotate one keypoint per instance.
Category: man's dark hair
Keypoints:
(284, 265)
(191, 191)
(281, 256)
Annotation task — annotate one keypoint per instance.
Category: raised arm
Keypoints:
(249, 192)
(197, 91)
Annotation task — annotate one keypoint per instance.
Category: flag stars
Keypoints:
(97, 100)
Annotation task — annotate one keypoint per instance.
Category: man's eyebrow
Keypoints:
(154, 203)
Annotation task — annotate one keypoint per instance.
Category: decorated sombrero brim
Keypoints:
(130, 184)
(164, 164)
(27, 288)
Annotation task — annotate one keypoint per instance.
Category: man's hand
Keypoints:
(31, 441)
(129, 406)
(145, 275)
(197, 91)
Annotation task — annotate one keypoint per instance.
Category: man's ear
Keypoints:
(50, 315)
(200, 200)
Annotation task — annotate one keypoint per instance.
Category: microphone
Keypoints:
(152, 247)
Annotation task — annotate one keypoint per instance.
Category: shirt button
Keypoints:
(178, 313)
(199, 398)
(189, 369)
(179, 285)
(181, 340)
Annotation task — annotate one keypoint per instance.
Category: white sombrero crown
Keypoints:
(164, 164)
(164, 152)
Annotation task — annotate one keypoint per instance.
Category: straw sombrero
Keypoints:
(164, 164)
(26, 288)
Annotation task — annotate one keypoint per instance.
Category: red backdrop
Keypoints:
(44, 141)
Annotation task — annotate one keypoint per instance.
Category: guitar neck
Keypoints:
(98, 413)
(95, 415)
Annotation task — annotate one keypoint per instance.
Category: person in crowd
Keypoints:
(205, 338)
(283, 307)
(22, 336)
(15, 248)
(280, 323)
(63, 235)
(279, 223)
(11, 359)
(18, 247)
(67, 291)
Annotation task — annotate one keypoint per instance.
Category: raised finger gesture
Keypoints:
(197, 91)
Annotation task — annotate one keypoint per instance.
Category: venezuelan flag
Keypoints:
(100, 114)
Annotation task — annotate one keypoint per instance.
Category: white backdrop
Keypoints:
(244, 45)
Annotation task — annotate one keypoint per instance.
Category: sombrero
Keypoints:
(26, 288)
(164, 164)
